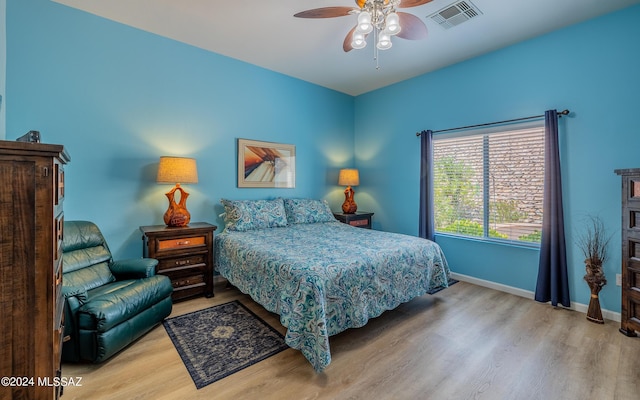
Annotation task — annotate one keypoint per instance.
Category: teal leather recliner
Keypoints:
(109, 304)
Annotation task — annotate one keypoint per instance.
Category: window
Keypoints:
(489, 183)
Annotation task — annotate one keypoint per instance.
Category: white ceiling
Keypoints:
(266, 34)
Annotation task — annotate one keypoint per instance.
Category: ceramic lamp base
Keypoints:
(349, 206)
(177, 213)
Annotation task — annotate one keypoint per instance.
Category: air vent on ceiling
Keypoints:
(455, 14)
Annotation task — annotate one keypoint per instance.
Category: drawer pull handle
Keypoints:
(183, 262)
(183, 242)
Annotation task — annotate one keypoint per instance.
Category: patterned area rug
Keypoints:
(221, 340)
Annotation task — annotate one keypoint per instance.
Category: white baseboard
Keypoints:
(610, 315)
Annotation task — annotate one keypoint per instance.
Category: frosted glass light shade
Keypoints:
(364, 22)
(384, 41)
(392, 24)
(357, 40)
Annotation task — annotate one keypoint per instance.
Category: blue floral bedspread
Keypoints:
(324, 278)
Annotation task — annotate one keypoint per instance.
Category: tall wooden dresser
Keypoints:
(31, 302)
(630, 310)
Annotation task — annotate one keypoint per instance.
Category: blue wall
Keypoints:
(118, 98)
(590, 68)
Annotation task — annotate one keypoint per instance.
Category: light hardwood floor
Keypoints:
(465, 342)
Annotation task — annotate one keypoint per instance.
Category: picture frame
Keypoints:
(266, 164)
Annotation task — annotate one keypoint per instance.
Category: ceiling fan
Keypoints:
(377, 16)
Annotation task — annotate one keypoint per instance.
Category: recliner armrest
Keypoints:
(74, 291)
(75, 297)
(134, 268)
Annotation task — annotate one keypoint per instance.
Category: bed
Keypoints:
(319, 275)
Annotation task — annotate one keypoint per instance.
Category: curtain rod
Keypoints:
(560, 114)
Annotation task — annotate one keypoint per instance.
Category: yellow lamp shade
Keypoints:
(177, 170)
(349, 177)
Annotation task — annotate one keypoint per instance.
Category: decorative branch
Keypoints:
(594, 240)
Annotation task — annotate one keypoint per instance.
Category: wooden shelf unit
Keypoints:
(630, 309)
(31, 301)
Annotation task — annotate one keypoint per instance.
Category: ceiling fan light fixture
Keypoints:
(358, 40)
(378, 18)
(392, 24)
(364, 22)
(384, 41)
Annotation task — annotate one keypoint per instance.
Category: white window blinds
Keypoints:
(488, 183)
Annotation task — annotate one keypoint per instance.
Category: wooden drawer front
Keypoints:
(179, 243)
(195, 280)
(633, 314)
(59, 301)
(634, 249)
(359, 222)
(178, 264)
(634, 188)
(188, 287)
(59, 184)
(58, 339)
(634, 219)
(58, 226)
(633, 274)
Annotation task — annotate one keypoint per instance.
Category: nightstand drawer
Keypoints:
(179, 243)
(359, 222)
(358, 219)
(187, 287)
(169, 265)
(189, 281)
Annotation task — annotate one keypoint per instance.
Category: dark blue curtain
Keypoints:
(553, 282)
(426, 225)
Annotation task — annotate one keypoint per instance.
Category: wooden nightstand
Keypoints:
(184, 254)
(359, 219)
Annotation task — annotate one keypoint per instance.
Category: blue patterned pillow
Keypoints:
(246, 215)
(307, 211)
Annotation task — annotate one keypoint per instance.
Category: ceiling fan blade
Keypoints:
(346, 46)
(412, 27)
(325, 12)
(413, 3)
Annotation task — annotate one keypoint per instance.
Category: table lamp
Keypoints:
(177, 170)
(349, 177)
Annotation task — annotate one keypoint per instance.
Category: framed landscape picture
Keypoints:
(266, 164)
